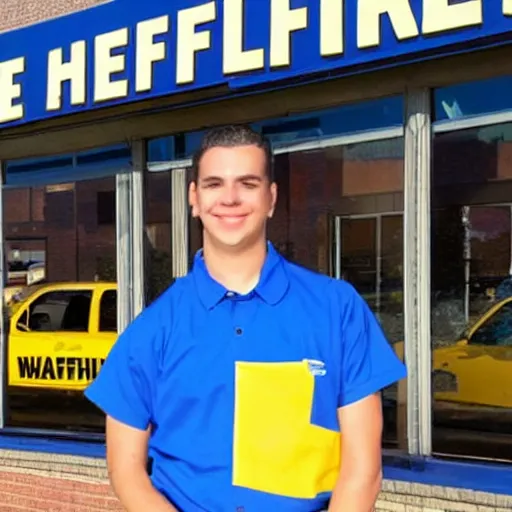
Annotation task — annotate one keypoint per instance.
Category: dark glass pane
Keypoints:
(158, 233)
(60, 247)
(108, 311)
(471, 292)
(359, 256)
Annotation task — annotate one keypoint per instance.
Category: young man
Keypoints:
(242, 381)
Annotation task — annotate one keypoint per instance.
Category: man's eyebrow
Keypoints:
(211, 178)
(244, 177)
(247, 177)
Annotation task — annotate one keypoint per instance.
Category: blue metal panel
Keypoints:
(35, 42)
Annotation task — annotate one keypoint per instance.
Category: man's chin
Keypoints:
(234, 242)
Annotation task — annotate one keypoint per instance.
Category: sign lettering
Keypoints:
(10, 90)
(238, 42)
(59, 368)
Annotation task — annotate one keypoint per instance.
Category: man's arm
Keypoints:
(360, 477)
(127, 451)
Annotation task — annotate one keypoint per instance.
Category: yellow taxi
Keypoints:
(60, 334)
(476, 370)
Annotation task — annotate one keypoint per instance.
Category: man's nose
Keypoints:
(230, 194)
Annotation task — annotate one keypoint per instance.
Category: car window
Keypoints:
(497, 330)
(61, 311)
(24, 318)
(108, 311)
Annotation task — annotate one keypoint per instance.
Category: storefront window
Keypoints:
(472, 292)
(60, 291)
(473, 98)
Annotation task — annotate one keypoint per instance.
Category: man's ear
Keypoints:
(192, 199)
(273, 199)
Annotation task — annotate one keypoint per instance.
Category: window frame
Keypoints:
(100, 304)
(498, 310)
(41, 294)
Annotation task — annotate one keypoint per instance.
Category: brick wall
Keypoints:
(31, 481)
(21, 491)
(411, 497)
(19, 13)
(28, 492)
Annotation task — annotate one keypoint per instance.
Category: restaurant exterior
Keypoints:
(391, 126)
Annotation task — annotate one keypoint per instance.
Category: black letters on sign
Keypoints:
(59, 368)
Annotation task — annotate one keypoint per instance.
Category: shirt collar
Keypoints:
(272, 286)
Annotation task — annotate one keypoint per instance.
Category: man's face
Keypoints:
(233, 196)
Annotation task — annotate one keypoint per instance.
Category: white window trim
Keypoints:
(418, 138)
(180, 223)
(123, 251)
(130, 238)
(471, 122)
(137, 221)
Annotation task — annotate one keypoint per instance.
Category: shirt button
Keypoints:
(240, 509)
(238, 331)
(230, 294)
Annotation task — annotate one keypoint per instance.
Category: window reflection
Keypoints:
(473, 98)
(329, 123)
(472, 292)
(299, 128)
(158, 233)
(61, 300)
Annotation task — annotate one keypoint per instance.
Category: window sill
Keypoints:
(474, 476)
(401, 472)
(57, 443)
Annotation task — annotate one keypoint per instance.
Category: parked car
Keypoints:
(60, 334)
(476, 369)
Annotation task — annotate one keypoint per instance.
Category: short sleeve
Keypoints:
(124, 387)
(369, 362)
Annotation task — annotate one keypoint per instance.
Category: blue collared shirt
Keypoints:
(242, 391)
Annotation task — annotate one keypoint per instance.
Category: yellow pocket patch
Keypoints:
(276, 448)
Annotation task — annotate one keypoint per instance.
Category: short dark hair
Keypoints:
(232, 136)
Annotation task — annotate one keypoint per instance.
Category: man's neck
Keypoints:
(237, 270)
